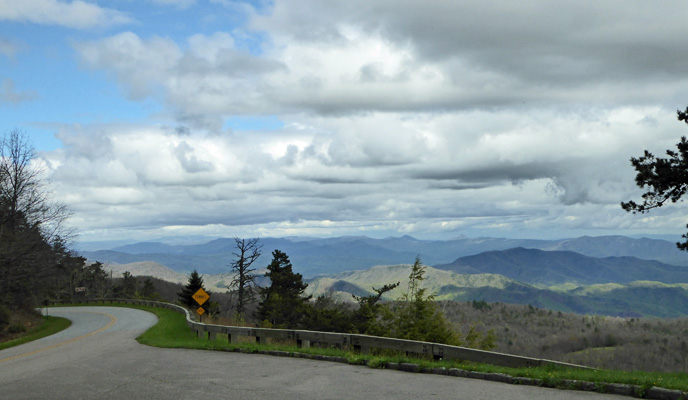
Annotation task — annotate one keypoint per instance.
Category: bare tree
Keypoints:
(24, 195)
(29, 223)
(248, 251)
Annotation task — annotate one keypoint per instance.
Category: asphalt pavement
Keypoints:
(98, 358)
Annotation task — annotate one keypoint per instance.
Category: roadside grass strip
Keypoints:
(49, 326)
(171, 331)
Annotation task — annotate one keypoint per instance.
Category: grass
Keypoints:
(171, 331)
(49, 326)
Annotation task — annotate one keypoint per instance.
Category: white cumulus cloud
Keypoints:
(75, 14)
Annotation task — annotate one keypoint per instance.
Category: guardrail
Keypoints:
(356, 342)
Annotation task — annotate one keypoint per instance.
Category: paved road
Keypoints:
(98, 358)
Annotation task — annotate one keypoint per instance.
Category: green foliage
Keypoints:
(72, 272)
(283, 304)
(481, 305)
(128, 287)
(369, 317)
(4, 317)
(193, 285)
(49, 326)
(327, 315)
(417, 317)
(666, 178)
(479, 340)
(414, 316)
(148, 290)
(17, 327)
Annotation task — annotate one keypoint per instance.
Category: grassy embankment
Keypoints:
(49, 326)
(171, 332)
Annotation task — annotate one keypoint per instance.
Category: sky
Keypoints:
(435, 119)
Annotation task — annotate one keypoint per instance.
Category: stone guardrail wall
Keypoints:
(356, 342)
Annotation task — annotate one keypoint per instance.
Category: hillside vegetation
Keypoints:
(648, 344)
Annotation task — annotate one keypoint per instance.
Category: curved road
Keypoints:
(98, 358)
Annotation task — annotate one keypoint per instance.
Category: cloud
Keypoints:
(76, 14)
(450, 117)
(189, 161)
(201, 81)
(8, 48)
(563, 42)
(182, 4)
(141, 65)
(9, 94)
(475, 172)
(344, 58)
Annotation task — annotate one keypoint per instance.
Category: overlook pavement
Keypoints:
(98, 358)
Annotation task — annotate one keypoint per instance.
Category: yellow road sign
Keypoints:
(200, 311)
(201, 296)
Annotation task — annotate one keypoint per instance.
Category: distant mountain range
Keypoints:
(546, 268)
(312, 257)
(611, 275)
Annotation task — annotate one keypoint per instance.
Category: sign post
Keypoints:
(201, 296)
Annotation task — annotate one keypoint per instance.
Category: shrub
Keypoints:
(4, 318)
(17, 327)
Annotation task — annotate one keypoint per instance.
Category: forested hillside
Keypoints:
(36, 263)
(648, 344)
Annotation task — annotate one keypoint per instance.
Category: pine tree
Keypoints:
(417, 316)
(665, 178)
(370, 317)
(148, 290)
(186, 294)
(128, 288)
(283, 302)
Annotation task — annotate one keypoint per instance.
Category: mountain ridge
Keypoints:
(547, 268)
(314, 256)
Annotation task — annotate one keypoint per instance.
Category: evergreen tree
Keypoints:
(417, 316)
(665, 178)
(370, 317)
(186, 294)
(283, 302)
(98, 281)
(70, 273)
(128, 287)
(328, 315)
(148, 290)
